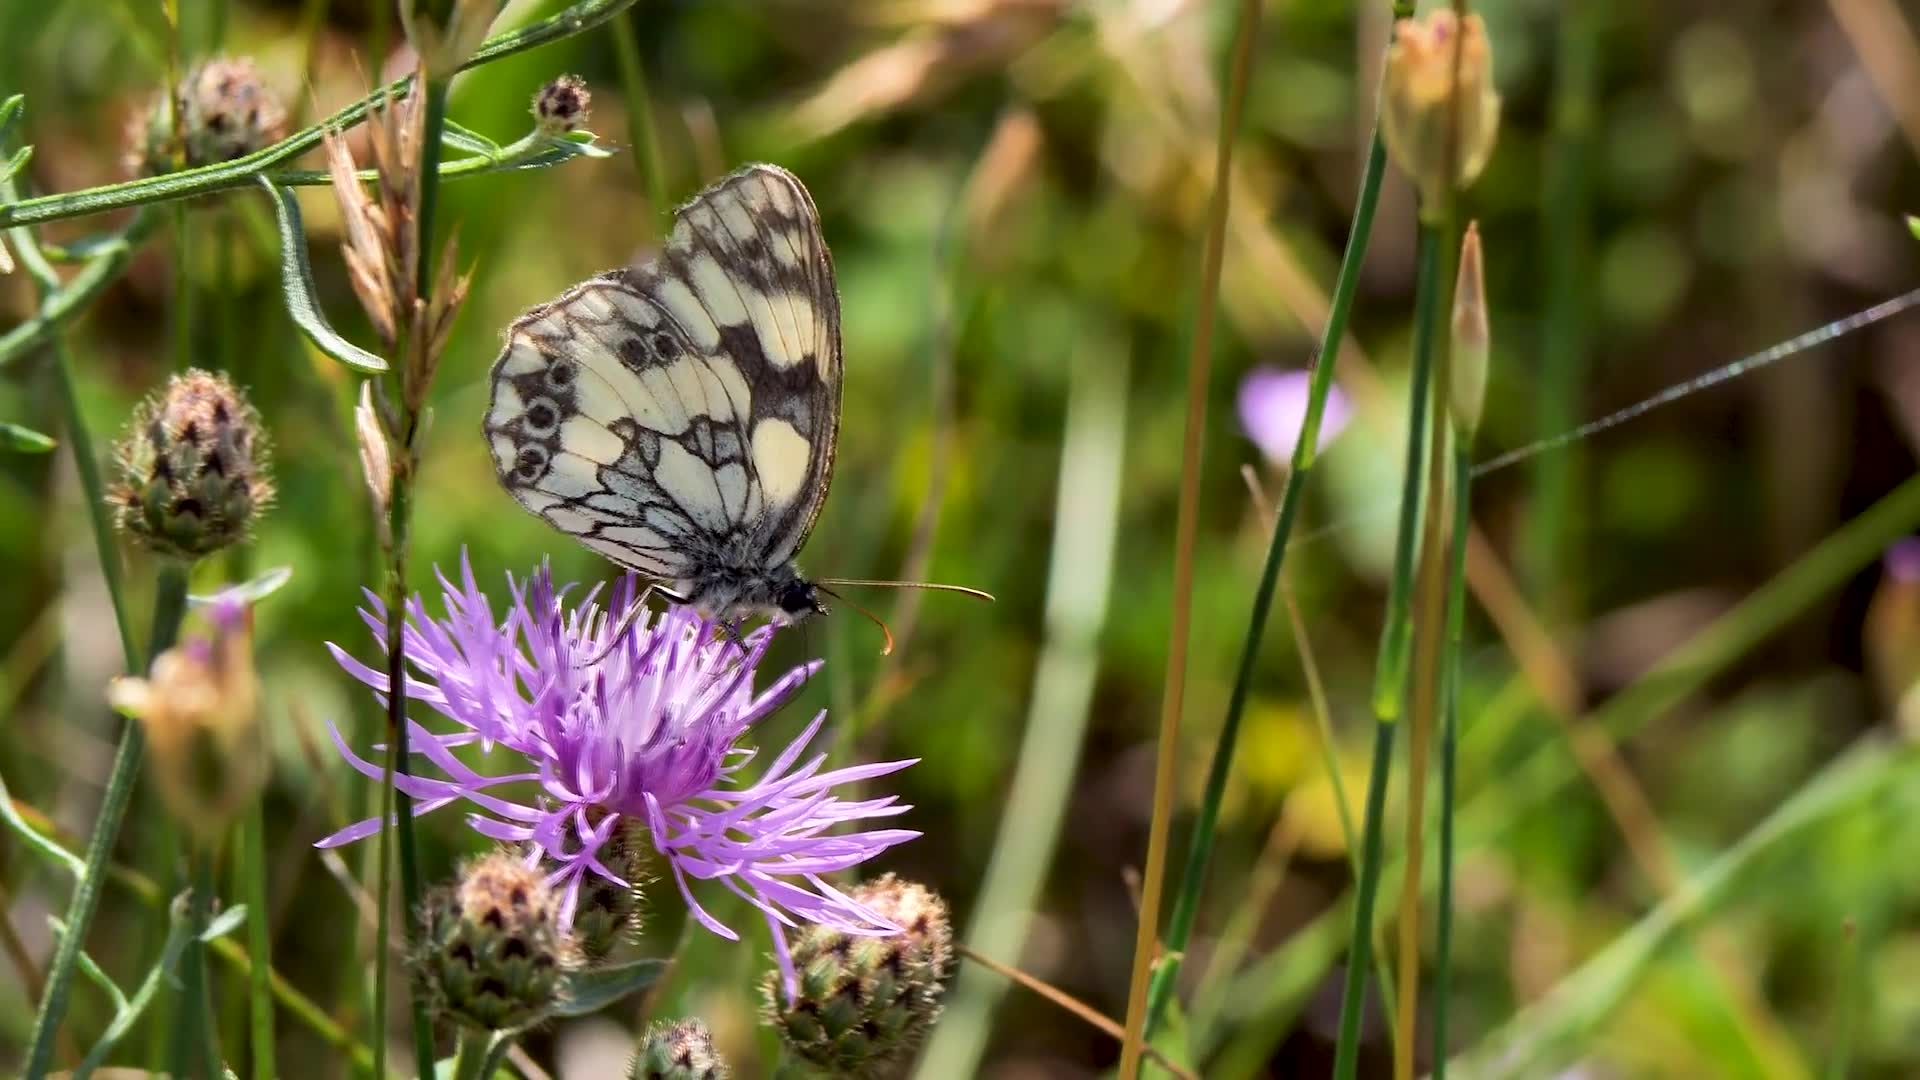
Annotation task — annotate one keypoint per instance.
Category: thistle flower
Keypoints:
(1273, 409)
(628, 723)
(1436, 144)
(561, 105)
(192, 468)
(864, 1003)
(225, 111)
(490, 954)
(199, 707)
(681, 1050)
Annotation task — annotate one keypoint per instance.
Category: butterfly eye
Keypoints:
(542, 416)
(665, 346)
(560, 374)
(531, 464)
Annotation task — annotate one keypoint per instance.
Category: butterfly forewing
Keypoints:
(680, 416)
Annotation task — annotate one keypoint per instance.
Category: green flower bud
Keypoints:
(491, 957)
(864, 1003)
(1418, 119)
(1471, 338)
(225, 112)
(192, 468)
(681, 1050)
(561, 105)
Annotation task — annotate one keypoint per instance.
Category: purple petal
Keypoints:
(1273, 408)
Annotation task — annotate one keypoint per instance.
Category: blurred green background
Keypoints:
(1013, 191)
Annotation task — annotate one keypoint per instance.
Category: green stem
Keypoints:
(436, 123)
(253, 854)
(1449, 738)
(196, 1045)
(474, 1052)
(645, 141)
(1390, 675)
(62, 301)
(1200, 846)
(1347, 1051)
(240, 172)
(169, 605)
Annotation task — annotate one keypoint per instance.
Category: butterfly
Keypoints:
(680, 416)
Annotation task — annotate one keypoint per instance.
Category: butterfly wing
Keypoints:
(682, 414)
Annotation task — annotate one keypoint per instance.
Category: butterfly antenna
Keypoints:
(885, 650)
(931, 586)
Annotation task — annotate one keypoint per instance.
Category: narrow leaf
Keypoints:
(17, 162)
(259, 588)
(24, 440)
(296, 281)
(224, 923)
(596, 988)
(468, 140)
(10, 112)
(1913, 226)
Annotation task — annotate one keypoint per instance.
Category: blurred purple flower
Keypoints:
(622, 720)
(1273, 407)
(1902, 560)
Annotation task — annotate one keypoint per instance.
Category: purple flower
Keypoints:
(618, 720)
(1273, 408)
(1902, 561)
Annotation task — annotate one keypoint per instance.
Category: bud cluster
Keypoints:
(491, 955)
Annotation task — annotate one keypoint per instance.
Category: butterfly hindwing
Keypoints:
(681, 415)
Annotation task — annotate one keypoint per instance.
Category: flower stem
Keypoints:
(253, 855)
(1431, 352)
(196, 1043)
(169, 605)
(1449, 739)
(1199, 368)
(1200, 846)
(473, 1054)
(1392, 655)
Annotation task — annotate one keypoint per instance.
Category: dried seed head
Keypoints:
(608, 911)
(1471, 338)
(376, 462)
(681, 1050)
(561, 105)
(491, 956)
(199, 708)
(225, 112)
(865, 1002)
(193, 468)
(1418, 120)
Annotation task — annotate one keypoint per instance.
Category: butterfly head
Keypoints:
(797, 599)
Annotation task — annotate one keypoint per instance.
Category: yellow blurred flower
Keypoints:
(1417, 119)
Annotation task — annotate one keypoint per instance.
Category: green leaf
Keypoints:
(1913, 226)
(10, 112)
(296, 281)
(580, 144)
(24, 440)
(468, 140)
(17, 162)
(224, 923)
(596, 988)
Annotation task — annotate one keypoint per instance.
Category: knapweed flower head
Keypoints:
(680, 1050)
(1273, 409)
(490, 955)
(613, 722)
(191, 472)
(561, 106)
(199, 708)
(225, 110)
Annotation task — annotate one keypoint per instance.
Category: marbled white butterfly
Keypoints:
(680, 416)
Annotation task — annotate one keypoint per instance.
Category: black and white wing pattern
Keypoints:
(680, 416)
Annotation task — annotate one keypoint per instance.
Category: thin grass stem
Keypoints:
(196, 1040)
(253, 856)
(1449, 740)
(1199, 369)
(643, 137)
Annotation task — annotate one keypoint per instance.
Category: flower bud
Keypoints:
(682, 1050)
(608, 911)
(1417, 115)
(561, 105)
(192, 468)
(444, 33)
(225, 112)
(1471, 338)
(491, 956)
(199, 709)
(863, 1003)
